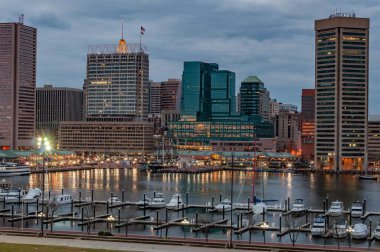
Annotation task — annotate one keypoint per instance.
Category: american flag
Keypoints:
(142, 30)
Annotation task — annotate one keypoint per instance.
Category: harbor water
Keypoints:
(201, 188)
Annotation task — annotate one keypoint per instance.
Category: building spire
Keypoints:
(122, 47)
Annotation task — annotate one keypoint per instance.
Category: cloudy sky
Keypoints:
(273, 39)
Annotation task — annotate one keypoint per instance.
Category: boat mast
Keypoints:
(253, 172)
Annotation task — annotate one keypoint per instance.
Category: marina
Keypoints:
(119, 201)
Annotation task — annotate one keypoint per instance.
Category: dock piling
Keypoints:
(187, 199)
(122, 195)
(144, 205)
(183, 210)
(12, 213)
(223, 212)
(62, 191)
(92, 195)
(212, 202)
(49, 195)
(27, 208)
(196, 219)
(350, 216)
(178, 201)
(288, 203)
(220, 197)
(80, 196)
(111, 198)
(280, 224)
(286, 206)
(108, 206)
(249, 202)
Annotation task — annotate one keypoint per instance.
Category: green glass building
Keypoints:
(196, 89)
(254, 98)
(223, 100)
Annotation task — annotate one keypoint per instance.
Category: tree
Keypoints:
(53, 207)
(293, 230)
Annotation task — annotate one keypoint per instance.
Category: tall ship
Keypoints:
(166, 157)
(8, 169)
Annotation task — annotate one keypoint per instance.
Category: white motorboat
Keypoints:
(356, 209)
(175, 201)
(8, 169)
(113, 200)
(141, 202)
(224, 205)
(377, 231)
(62, 199)
(11, 195)
(32, 195)
(298, 206)
(318, 228)
(259, 208)
(336, 208)
(158, 201)
(340, 229)
(360, 231)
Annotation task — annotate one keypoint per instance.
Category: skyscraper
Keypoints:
(223, 99)
(341, 83)
(55, 105)
(171, 95)
(308, 124)
(196, 89)
(18, 46)
(117, 83)
(254, 98)
(155, 98)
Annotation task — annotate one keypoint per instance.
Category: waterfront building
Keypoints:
(107, 137)
(201, 133)
(374, 141)
(154, 98)
(171, 95)
(196, 89)
(288, 132)
(117, 82)
(341, 84)
(308, 124)
(254, 98)
(169, 116)
(56, 104)
(18, 52)
(261, 144)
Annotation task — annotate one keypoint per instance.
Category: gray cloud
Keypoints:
(273, 39)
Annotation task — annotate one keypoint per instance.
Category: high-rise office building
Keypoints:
(308, 124)
(274, 107)
(155, 98)
(254, 98)
(287, 107)
(374, 140)
(55, 105)
(223, 99)
(288, 131)
(18, 49)
(171, 95)
(341, 83)
(117, 83)
(196, 89)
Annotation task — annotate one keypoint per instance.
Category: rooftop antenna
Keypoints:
(21, 19)
(122, 29)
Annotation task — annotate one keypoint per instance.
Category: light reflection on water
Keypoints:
(313, 188)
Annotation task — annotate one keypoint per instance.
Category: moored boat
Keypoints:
(377, 232)
(360, 231)
(356, 209)
(32, 195)
(224, 205)
(158, 201)
(175, 201)
(336, 208)
(8, 169)
(62, 199)
(340, 229)
(319, 226)
(298, 207)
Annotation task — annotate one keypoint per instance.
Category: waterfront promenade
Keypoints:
(152, 244)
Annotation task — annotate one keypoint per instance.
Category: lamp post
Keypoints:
(232, 193)
(44, 148)
(264, 226)
(349, 231)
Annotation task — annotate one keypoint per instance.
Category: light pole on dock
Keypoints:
(44, 149)
(232, 195)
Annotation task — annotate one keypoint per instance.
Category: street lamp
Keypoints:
(349, 231)
(44, 150)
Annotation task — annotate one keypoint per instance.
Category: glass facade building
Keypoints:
(341, 84)
(308, 124)
(223, 99)
(196, 89)
(254, 98)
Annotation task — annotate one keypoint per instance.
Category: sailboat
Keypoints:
(258, 207)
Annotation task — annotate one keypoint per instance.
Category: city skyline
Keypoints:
(253, 38)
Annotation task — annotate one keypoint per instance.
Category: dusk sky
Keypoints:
(273, 39)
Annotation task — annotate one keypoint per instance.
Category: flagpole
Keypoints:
(140, 40)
